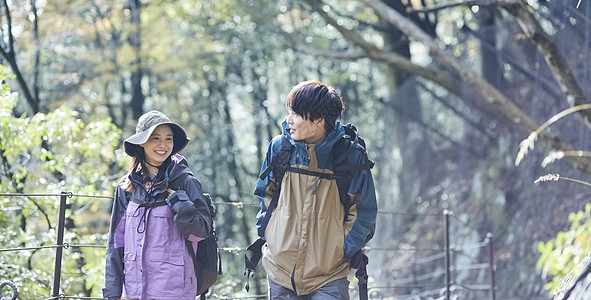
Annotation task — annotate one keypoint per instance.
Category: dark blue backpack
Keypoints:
(207, 262)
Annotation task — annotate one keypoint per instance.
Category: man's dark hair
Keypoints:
(314, 100)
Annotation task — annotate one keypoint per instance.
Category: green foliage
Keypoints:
(42, 154)
(56, 142)
(562, 255)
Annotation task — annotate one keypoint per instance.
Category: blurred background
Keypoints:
(443, 92)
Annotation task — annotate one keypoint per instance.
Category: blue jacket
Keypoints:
(307, 239)
(146, 251)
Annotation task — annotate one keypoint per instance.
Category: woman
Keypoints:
(159, 213)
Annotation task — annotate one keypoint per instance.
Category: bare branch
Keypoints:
(42, 211)
(484, 88)
(442, 6)
(554, 59)
(368, 51)
(534, 31)
(440, 77)
(428, 127)
(546, 84)
(460, 114)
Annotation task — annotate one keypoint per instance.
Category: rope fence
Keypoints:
(419, 281)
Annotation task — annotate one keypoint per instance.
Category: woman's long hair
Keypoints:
(138, 164)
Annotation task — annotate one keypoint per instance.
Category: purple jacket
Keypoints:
(146, 251)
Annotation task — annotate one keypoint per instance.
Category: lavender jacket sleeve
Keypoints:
(114, 273)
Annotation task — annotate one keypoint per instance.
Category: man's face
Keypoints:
(310, 132)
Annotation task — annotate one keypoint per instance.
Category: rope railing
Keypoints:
(64, 246)
(228, 249)
(442, 252)
(68, 194)
(62, 296)
(30, 248)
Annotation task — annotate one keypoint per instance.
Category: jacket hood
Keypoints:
(325, 145)
(178, 167)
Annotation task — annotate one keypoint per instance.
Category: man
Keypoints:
(310, 238)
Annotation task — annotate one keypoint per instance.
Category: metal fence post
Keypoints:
(60, 242)
(489, 239)
(447, 213)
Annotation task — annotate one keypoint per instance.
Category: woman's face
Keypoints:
(159, 146)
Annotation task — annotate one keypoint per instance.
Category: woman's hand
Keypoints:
(170, 192)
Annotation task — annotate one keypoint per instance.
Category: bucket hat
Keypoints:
(146, 125)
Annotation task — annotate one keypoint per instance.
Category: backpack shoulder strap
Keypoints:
(343, 170)
(345, 145)
(280, 162)
(279, 165)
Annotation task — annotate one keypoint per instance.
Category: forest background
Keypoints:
(444, 93)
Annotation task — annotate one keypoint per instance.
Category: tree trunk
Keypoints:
(489, 58)
(7, 52)
(37, 51)
(137, 96)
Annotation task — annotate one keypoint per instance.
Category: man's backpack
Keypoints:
(207, 263)
(343, 174)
